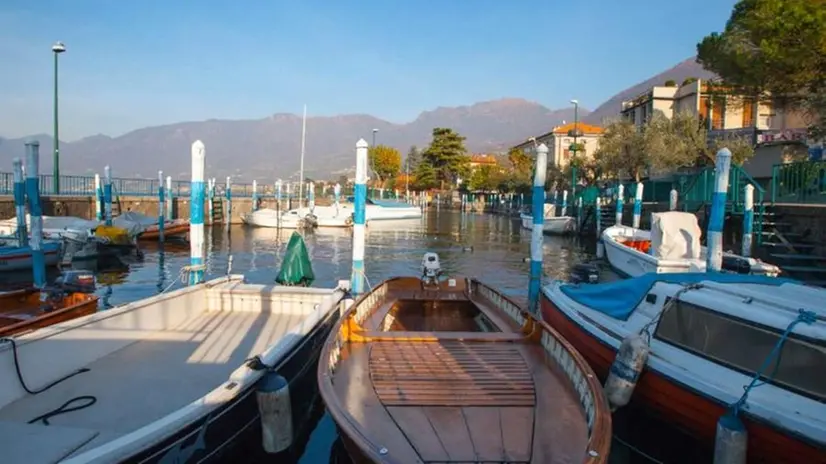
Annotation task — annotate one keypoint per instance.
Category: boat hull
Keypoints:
(236, 425)
(73, 306)
(673, 403)
(18, 259)
(558, 225)
(177, 228)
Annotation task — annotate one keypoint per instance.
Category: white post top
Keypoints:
(541, 169)
(107, 174)
(361, 162)
(18, 170)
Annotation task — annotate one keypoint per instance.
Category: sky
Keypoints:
(132, 64)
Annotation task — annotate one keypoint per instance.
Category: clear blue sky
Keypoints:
(132, 64)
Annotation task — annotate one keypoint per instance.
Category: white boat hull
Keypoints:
(631, 262)
(295, 219)
(558, 225)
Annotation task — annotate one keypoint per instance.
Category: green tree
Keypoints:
(385, 161)
(689, 143)
(773, 49)
(425, 177)
(447, 155)
(414, 157)
(521, 168)
(483, 179)
(621, 151)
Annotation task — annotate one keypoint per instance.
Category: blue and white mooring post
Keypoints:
(98, 199)
(169, 198)
(289, 196)
(278, 187)
(107, 195)
(718, 211)
(20, 203)
(161, 202)
(359, 210)
(598, 227)
(579, 214)
(196, 214)
(564, 203)
(538, 206)
(748, 220)
(637, 206)
(211, 199)
(254, 195)
(228, 195)
(620, 196)
(337, 195)
(36, 214)
(311, 196)
(672, 200)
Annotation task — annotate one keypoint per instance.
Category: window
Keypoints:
(744, 346)
(748, 112)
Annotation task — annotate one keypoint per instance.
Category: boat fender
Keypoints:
(731, 440)
(349, 220)
(273, 397)
(625, 370)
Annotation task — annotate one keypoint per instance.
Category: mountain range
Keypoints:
(270, 147)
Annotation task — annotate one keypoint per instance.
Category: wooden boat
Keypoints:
(30, 309)
(553, 225)
(171, 378)
(17, 258)
(146, 227)
(425, 371)
(632, 252)
(710, 334)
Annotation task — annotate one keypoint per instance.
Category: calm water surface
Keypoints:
(491, 248)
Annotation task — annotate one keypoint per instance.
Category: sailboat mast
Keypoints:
(301, 166)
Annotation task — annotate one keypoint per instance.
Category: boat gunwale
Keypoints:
(599, 431)
(86, 299)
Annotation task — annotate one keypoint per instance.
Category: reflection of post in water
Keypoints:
(210, 237)
(161, 270)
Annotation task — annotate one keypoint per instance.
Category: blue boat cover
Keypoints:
(619, 299)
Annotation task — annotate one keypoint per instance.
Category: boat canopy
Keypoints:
(619, 299)
(296, 269)
(675, 235)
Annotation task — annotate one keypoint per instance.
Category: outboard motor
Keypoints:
(584, 273)
(76, 281)
(431, 269)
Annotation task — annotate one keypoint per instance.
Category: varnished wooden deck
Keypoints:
(453, 401)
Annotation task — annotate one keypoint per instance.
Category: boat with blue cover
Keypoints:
(692, 348)
(17, 258)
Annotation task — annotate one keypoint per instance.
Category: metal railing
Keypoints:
(799, 182)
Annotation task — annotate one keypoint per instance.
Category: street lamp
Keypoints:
(575, 146)
(57, 49)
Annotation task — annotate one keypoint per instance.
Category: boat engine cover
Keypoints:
(431, 269)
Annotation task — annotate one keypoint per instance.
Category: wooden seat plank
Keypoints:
(485, 427)
(450, 425)
(423, 436)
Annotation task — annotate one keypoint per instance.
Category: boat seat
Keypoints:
(24, 442)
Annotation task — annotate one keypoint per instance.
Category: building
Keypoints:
(479, 160)
(560, 142)
(770, 127)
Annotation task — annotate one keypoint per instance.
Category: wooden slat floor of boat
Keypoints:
(469, 402)
(450, 374)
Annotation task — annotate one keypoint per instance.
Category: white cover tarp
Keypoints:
(53, 224)
(675, 235)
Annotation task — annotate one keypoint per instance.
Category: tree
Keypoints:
(521, 168)
(414, 157)
(426, 177)
(690, 143)
(447, 155)
(482, 179)
(385, 161)
(621, 151)
(773, 49)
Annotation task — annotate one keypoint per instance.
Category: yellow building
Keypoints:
(478, 160)
(560, 142)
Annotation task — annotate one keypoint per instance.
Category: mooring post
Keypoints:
(579, 214)
(311, 196)
(359, 210)
(107, 195)
(722, 165)
(289, 196)
(337, 195)
(538, 205)
(161, 201)
(564, 203)
(196, 214)
(98, 199)
(169, 194)
(228, 196)
(748, 220)
(254, 195)
(210, 201)
(637, 206)
(598, 226)
(672, 200)
(33, 192)
(20, 203)
(620, 196)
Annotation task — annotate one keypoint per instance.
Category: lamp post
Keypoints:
(57, 49)
(373, 159)
(575, 146)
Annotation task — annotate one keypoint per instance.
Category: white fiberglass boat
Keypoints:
(674, 246)
(321, 216)
(553, 225)
(717, 344)
(171, 378)
(380, 210)
(77, 234)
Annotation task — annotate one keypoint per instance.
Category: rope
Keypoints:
(805, 316)
(183, 275)
(90, 400)
(646, 329)
(366, 280)
(637, 450)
